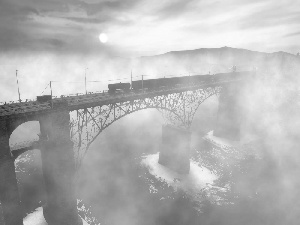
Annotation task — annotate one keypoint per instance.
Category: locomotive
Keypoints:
(160, 83)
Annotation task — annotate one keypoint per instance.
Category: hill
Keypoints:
(215, 60)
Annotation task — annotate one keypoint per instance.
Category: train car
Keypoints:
(141, 84)
(157, 84)
(136, 85)
(160, 83)
(112, 88)
(151, 84)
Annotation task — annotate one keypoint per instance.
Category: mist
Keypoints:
(116, 188)
(254, 180)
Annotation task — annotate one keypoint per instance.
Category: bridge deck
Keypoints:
(94, 99)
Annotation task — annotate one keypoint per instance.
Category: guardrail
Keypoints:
(118, 92)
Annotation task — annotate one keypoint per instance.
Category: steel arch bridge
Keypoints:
(70, 124)
(176, 108)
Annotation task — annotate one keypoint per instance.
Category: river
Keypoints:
(120, 181)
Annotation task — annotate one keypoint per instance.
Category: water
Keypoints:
(124, 184)
(121, 183)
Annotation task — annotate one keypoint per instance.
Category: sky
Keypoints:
(140, 27)
(53, 40)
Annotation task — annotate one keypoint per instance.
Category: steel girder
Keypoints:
(177, 109)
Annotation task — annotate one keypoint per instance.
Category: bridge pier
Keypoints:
(9, 192)
(58, 168)
(229, 112)
(175, 149)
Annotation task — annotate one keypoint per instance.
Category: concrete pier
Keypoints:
(175, 149)
(58, 168)
(9, 192)
(229, 113)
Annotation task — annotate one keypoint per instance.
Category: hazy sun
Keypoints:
(103, 37)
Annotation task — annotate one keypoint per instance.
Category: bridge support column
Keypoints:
(9, 193)
(58, 169)
(229, 113)
(175, 149)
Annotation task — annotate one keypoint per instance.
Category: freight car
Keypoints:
(152, 84)
(112, 88)
(157, 84)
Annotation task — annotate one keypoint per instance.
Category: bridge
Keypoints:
(70, 124)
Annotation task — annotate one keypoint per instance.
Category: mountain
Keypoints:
(215, 60)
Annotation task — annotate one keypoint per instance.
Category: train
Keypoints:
(162, 83)
(112, 88)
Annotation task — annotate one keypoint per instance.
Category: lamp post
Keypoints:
(85, 80)
(18, 86)
(51, 88)
(131, 79)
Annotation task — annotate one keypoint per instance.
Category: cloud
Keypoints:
(293, 34)
(96, 7)
(144, 27)
(10, 10)
(172, 9)
(68, 26)
(272, 14)
(86, 20)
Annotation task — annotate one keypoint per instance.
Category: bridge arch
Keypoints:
(10, 198)
(194, 106)
(200, 103)
(24, 135)
(11, 126)
(178, 108)
(82, 142)
(28, 164)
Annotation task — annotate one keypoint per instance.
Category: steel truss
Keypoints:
(177, 109)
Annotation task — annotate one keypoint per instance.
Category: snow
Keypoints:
(37, 218)
(199, 177)
(218, 141)
(235, 149)
(199, 185)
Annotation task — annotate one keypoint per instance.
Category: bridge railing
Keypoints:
(135, 92)
(106, 92)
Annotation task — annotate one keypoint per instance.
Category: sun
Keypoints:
(103, 37)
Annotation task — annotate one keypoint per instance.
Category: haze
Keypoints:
(58, 41)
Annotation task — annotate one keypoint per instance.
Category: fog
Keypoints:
(262, 185)
(263, 182)
(256, 179)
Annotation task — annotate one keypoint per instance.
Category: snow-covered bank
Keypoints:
(198, 184)
(198, 177)
(220, 142)
(236, 149)
(37, 218)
